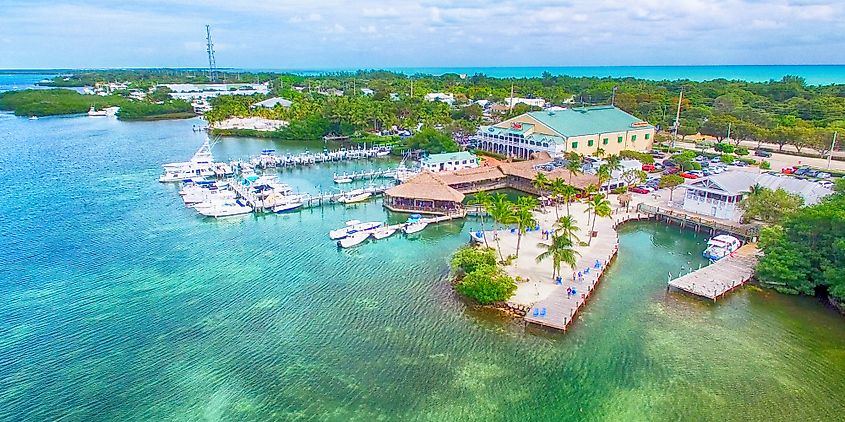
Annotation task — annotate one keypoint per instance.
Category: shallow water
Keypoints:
(116, 302)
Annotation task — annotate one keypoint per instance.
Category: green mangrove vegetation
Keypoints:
(53, 102)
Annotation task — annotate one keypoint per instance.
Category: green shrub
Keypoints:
(486, 284)
(620, 190)
(636, 155)
(765, 165)
(741, 151)
(728, 158)
(468, 258)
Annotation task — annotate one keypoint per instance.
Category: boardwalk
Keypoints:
(719, 278)
(558, 309)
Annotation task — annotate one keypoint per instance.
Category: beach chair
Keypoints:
(543, 312)
(536, 312)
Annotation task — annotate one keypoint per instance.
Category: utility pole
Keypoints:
(613, 96)
(832, 146)
(510, 106)
(212, 65)
(678, 117)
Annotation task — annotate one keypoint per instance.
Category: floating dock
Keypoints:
(308, 200)
(720, 277)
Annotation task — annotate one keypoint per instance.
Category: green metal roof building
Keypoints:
(449, 161)
(584, 130)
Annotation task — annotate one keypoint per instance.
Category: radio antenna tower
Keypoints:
(212, 66)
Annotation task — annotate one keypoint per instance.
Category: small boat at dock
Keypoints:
(721, 246)
(354, 196)
(287, 204)
(93, 112)
(353, 226)
(224, 209)
(342, 179)
(412, 228)
(354, 239)
(383, 232)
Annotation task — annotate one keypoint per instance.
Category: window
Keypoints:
(545, 144)
(575, 145)
(647, 135)
(590, 143)
(633, 138)
(464, 162)
(619, 140)
(604, 141)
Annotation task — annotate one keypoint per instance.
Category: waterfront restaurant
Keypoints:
(424, 193)
(583, 130)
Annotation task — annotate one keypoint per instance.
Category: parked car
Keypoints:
(826, 184)
(715, 160)
(823, 175)
(671, 170)
(639, 189)
(648, 167)
(701, 158)
(811, 173)
(657, 154)
(669, 163)
(707, 172)
(688, 175)
(801, 171)
(762, 153)
(788, 170)
(739, 163)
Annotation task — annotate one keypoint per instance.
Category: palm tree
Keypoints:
(600, 207)
(524, 218)
(603, 174)
(567, 226)
(574, 167)
(600, 152)
(541, 182)
(501, 209)
(755, 190)
(561, 252)
(557, 186)
(485, 200)
(568, 194)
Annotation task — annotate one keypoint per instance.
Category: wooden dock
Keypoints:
(366, 174)
(748, 232)
(559, 309)
(720, 277)
(308, 200)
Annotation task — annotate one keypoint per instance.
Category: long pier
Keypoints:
(719, 278)
(308, 200)
(268, 159)
(366, 174)
(748, 232)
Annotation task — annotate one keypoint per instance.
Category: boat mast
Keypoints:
(678, 117)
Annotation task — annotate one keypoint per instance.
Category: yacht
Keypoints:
(383, 232)
(342, 179)
(93, 112)
(224, 209)
(354, 239)
(201, 164)
(721, 246)
(354, 196)
(353, 226)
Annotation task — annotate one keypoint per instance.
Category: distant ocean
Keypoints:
(813, 74)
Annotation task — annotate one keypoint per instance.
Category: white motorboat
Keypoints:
(476, 236)
(353, 226)
(342, 179)
(289, 204)
(411, 228)
(224, 209)
(721, 246)
(383, 232)
(354, 196)
(199, 195)
(382, 153)
(354, 239)
(93, 112)
(33, 117)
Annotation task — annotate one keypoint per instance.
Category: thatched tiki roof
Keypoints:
(427, 187)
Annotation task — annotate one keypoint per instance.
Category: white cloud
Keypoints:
(379, 12)
(369, 29)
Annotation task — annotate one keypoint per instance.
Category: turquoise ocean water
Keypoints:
(813, 74)
(118, 303)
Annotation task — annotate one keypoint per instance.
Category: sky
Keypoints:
(320, 34)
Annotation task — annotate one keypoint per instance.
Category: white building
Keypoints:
(440, 96)
(719, 195)
(273, 102)
(450, 161)
(534, 102)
